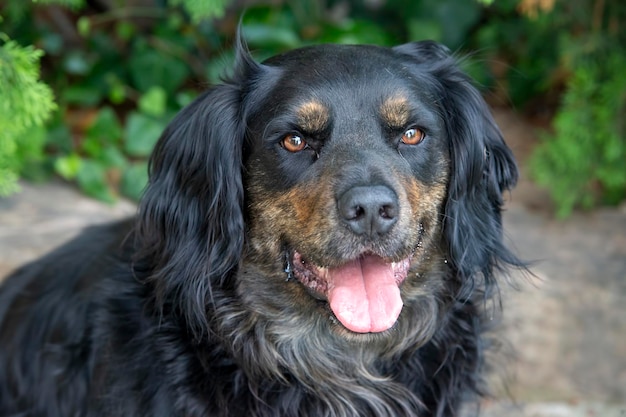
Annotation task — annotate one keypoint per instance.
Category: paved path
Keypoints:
(566, 325)
(43, 216)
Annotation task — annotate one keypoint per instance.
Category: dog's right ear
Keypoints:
(190, 227)
(483, 169)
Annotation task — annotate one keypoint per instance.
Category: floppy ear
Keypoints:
(483, 168)
(190, 228)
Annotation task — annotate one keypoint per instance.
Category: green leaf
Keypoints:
(116, 87)
(270, 35)
(82, 95)
(91, 178)
(117, 94)
(150, 68)
(106, 128)
(59, 137)
(457, 17)
(134, 180)
(141, 133)
(420, 29)
(76, 63)
(153, 102)
(356, 31)
(30, 144)
(29, 155)
(68, 166)
(185, 98)
(125, 30)
(52, 43)
(25, 100)
(203, 9)
(112, 157)
(8, 182)
(75, 4)
(83, 25)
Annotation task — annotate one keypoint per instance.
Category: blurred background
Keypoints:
(86, 87)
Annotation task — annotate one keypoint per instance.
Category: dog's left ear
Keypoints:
(483, 168)
(190, 227)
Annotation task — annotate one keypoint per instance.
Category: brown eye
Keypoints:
(293, 143)
(413, 136)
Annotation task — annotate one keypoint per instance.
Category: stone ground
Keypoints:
(565, 324)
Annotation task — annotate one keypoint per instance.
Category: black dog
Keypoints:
(318, 238)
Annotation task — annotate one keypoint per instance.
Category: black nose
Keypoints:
(369, 210)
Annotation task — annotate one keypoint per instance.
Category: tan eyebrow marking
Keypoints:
(313, 116)
(395, 111)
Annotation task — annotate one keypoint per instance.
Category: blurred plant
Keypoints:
(26, 104)
(68, 3)
(117, 81)
(120, 74)
(582, 162)
(565, 59)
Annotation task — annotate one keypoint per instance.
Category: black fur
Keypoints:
(192, 309)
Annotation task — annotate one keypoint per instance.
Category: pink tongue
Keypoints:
(364, 295)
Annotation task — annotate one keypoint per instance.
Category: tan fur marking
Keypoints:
(301, 210)
(311, 205)
(395, 111)
(423, 198)
(313, 116)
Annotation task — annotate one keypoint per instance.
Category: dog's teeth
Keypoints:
(288, 268)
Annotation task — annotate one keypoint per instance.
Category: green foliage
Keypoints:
(202, 9)
(570, 53)
(152, 68)
(69, 3)
(528, 48)
(123, 73)
(26, 103)
(448, 21)
(134, 179)
(116, 93)
(583, 162)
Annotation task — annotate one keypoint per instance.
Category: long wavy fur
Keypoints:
(174, 335)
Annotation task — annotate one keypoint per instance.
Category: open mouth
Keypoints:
(364, 294)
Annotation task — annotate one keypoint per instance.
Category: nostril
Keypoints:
(370, 210)
(388, 211)
(350, 212)
(359, 212)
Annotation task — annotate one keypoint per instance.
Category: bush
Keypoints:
(123, 72)
(566, 57)
(117, 85)
(583, 162)
(26, 104)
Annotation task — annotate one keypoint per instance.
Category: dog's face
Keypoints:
(346, 178)
(347, 193)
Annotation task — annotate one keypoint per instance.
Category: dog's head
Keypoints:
(352, 188)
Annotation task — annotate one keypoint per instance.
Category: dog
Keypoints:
(320, 236)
